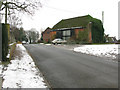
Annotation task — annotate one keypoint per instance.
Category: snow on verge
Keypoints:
(109, 51)
(22, 72)
(48, 44)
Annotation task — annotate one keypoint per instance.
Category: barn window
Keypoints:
(66, 33)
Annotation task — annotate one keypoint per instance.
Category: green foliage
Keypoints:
(83, 36)
(70, 42)
(5, 40)
(19, 34)
(97, 31)
(119, 40)
(41, 38)
(5, 63)
(54, 36)
(22, 36)
(97, 28)
(73, 22)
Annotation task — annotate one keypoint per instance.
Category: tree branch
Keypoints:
(24, 6)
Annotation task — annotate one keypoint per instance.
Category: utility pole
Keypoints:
(103, 17)
(0, 32)
(6, 12)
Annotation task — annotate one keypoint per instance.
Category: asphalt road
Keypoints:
(67, 69)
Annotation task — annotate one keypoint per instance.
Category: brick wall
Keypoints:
(90, 37)
(46, 35)
(52, 35)
(82, 30)
(77, 32)
(89, 33)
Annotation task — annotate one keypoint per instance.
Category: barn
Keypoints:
(84, 29)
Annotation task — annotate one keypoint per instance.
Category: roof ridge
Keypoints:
(77, 17)
(73, 22)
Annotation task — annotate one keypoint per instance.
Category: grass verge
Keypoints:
(12, 49)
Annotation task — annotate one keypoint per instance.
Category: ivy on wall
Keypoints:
(97, 31)
(83, 36)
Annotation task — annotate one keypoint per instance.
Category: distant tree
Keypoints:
(41, 39)
(106, 37)
(14, 23)
(15, 32)
(119, 40)
(19, 34)
(32, 35)
(22, 36)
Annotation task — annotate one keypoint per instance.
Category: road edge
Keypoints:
(47, 83)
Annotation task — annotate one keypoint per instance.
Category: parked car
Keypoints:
(58, 41)
(24, 42)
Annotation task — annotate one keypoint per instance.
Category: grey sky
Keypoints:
(55, 10)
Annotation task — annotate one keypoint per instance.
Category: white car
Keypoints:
(24, 42)
(58, 41)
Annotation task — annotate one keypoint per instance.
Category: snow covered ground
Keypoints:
(107, 50)
(48, 44)
(22, 72)
(11, 44)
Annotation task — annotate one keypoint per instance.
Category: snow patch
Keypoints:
(12, 44)
(48, 44)
(8, 56)
(22, 72)
(41, 43)
(108, 50)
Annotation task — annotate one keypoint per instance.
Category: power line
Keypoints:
(63, 10)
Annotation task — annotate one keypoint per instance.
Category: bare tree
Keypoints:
(24, 6)
(14, 21)
(32, 35)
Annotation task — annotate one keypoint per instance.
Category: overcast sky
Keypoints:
(53, 11)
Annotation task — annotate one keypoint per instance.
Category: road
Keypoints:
(67, 69)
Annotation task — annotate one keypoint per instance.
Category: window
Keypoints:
(66, 33)
(66, 38)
